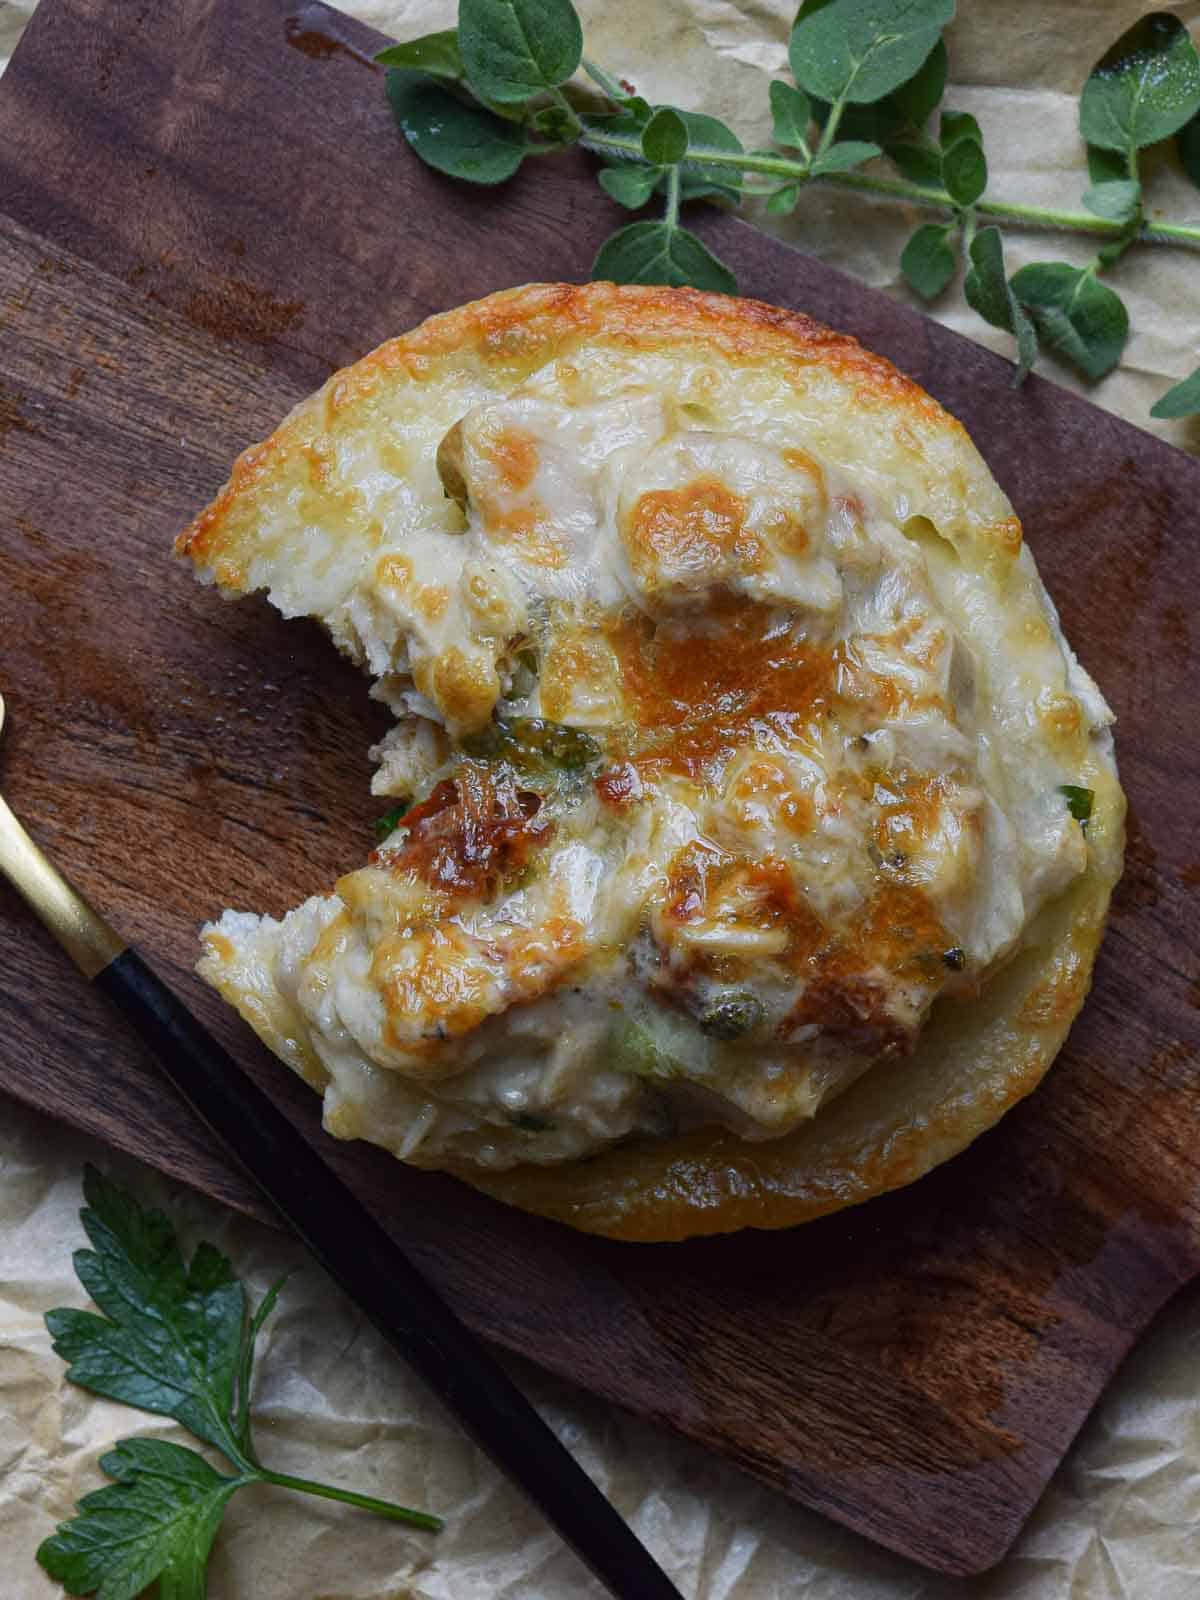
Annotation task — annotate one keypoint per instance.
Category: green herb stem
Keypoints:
(573, 122)
(672, 213)
(1169, 233)
(898, 189)
(939, 200)
(620, 144)
(605, 79)
(547, 148)
(241, 1418)
(832, 122)
(1078, 222)
(1025, 216)
(365, 1502)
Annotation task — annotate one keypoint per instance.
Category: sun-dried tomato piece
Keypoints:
(473, 832)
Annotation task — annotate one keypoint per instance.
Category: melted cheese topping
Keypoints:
(729, 756)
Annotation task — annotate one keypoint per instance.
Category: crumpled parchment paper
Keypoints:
(1120, 1519)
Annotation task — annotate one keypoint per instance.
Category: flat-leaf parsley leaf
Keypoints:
(173, 1337)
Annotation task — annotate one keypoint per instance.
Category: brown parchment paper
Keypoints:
(1118, 1522)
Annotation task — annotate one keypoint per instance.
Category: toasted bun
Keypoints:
(373, 510)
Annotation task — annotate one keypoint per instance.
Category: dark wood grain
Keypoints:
(205, 209)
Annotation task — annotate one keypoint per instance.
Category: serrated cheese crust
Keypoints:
(734, 721)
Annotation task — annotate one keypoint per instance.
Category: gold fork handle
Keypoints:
(82, 932)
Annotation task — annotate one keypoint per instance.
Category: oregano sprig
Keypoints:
(1181, 401)
(173, 1337)
(869, 75)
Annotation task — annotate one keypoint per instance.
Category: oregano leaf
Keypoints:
(661, 252)
(987, 290)
(899, 115)
(513, 49)
(1079, 317)
(628, 185)
(918, 164)
(713, 137)
(842, 156)
(553, 123)
(459, 139)
(705, 135)
(1117, 199)
(1027, 345)
(792, 114)
(1181, 401)
(1109, 254)
(693, 187)
(964, 172)
(1145, 88)
(861, 50)
(958, 125)
(928, 260)
(917, 99)
(664, 138)
(434, 53)
(1107, 166)
(784, 200)
(986, 285)
(877, 123)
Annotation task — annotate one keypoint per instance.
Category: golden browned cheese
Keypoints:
(739, 881)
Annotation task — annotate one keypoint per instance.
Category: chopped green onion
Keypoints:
(532, 744)
(386, 825)
(1079, 802)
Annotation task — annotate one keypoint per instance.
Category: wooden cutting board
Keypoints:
(204, 208)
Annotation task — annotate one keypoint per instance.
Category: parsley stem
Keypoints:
(366, 1502)
(898, 189)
